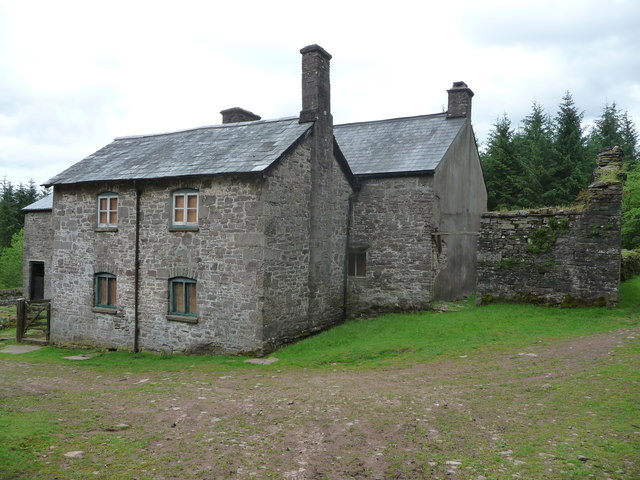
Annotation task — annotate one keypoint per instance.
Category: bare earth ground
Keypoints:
(465, 418)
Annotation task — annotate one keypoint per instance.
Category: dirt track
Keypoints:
(467, 418)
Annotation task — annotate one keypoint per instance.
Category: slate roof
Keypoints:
(228, 148)
(42, 205)
(398, 145)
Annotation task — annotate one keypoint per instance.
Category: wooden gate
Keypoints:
(33, 321)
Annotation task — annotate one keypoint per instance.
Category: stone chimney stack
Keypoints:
(459, 101)
(316, 99)
(237, 114)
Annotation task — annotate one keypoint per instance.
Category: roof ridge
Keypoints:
(204, 127)
(393, 119)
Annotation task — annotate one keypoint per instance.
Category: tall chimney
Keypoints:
(316, 101)
(459, 101)
(237, 114)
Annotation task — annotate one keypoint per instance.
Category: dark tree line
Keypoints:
(12, 200)
(548, 160)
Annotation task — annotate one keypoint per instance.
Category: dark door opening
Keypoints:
(36, 283)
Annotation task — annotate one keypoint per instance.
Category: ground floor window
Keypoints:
(106, 290)
(182, 296)
(357, 264)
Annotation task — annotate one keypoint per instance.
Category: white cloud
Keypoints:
(75, 74)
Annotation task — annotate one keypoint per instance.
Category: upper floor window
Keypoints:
(108, 210)
(185, 208)
(105, 290)
(182, 296)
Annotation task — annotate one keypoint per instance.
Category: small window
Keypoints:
(108, 210)
(182, 296)
(106, 290)
(357, 264)
(185, 208)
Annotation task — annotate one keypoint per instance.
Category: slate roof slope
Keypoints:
(398, 145)
(42, 205)
(228, 148)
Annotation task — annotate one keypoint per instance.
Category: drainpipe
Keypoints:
(136, 294)
(345, 286)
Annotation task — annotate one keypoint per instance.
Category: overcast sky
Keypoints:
(76, 74)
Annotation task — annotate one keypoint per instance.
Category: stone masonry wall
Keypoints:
(393, 220)
(294, 306)
(224, 255)
(565, 257)
(79, 252)
(38, 238)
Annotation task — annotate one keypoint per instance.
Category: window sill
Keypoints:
(106, 229)
(111, 311)
(186, 228)
(182, 318)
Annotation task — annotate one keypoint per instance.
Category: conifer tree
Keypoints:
(575, 167)
(629, 135)
(506, 178)
(535, 149)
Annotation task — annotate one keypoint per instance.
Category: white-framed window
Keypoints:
(182, 296)
(185, 208)
(357, 265)
(106, 290)
(108, 209)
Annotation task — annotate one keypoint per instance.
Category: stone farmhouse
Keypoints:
(243, 236)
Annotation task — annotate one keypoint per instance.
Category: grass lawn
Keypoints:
(495, 392)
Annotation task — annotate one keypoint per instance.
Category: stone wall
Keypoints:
(81, 250)
(38, 238)
(10, 296)
(565, 257)
(393, 220)
(301, 297)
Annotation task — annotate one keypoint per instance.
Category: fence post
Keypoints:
(20, 319)
(48, 321)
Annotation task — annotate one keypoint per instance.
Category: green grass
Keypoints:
(397, 339)
(419, 337)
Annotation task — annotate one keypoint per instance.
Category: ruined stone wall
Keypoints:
(565, 257)
(38, 238)
(393, 221)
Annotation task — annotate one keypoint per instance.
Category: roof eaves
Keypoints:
(414, 173)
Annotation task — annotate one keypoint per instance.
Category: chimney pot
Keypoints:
(459, 101)
(237, 114)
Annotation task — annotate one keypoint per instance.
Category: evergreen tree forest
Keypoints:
(548, 160)
(12, 200)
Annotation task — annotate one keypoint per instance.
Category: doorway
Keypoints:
(36, 280)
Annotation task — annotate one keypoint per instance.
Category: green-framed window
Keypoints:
(106, 290)
(182, 296)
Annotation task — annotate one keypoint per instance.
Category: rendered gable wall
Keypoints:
(461, 198)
